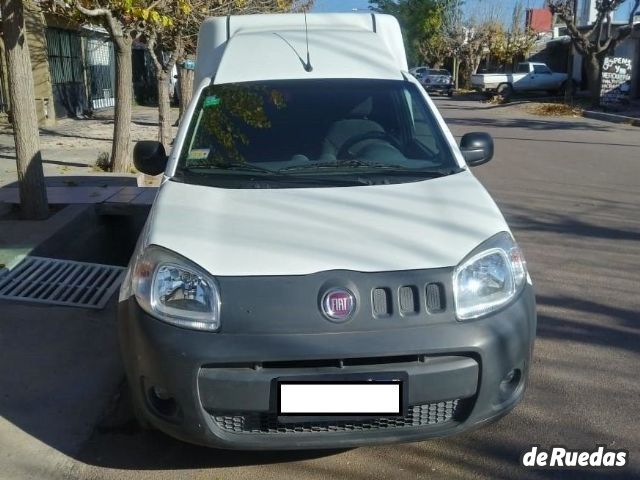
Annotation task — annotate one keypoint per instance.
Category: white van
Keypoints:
(320, 268)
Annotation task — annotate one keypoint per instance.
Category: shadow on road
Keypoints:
(150, 450)
(570, 225)
(528, 123)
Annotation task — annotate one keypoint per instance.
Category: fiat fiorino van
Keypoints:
(320, 268)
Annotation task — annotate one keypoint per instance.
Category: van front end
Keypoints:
(221, 389)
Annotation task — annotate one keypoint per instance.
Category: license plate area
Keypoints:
(341, 397)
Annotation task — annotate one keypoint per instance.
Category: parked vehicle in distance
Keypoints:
(320, 268)
(418, 71)
(529, 76)
(437, 81)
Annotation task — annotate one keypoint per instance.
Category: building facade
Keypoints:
(73, 67)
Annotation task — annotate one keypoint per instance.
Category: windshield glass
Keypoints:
(284, 134)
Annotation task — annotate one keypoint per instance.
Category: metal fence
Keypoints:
(64, 48)
(100, 61)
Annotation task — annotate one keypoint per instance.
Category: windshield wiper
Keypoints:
(324, 165)
(380, 167)
(269, 176)
(236, 167)
(417, 172)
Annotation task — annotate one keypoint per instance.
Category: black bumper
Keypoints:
(221, 387)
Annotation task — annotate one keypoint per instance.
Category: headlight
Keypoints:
(490, 278)
(174, 290)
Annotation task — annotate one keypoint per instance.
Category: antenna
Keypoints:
(307, 66)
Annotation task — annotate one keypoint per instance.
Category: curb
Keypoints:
(611, 117)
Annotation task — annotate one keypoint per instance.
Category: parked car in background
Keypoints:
(529, 76)
(437, 81)
(418, 71)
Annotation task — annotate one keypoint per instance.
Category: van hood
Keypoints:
(296, 231)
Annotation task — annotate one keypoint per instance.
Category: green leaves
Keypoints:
(422, 22)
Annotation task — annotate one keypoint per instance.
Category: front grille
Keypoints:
(419, 415)
(407, 300)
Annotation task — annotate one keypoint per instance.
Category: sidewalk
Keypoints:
(628, 115)
(89, 189)
(71, 147)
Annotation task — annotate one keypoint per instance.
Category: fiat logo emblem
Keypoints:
(338, 304)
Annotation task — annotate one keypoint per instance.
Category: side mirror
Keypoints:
(476, 148)
(150, 157)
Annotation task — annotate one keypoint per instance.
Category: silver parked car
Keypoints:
(436, 81)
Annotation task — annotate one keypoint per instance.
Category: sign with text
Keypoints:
(616, 80)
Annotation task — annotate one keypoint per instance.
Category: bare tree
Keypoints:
(597, 40)
(33, 194)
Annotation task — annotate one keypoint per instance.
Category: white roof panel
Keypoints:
(265, 55)
(348, 38)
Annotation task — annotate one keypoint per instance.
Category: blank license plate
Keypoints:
(340, 398)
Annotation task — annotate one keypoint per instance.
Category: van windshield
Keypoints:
(285, 134)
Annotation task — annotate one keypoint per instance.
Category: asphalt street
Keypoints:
(570, 189)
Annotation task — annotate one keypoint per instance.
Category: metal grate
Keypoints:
(267, 423)
(61, 282)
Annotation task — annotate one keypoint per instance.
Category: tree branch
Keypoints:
(151, 47)
(110, 22)
(177, 52)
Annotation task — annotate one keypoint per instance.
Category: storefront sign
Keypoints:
(616, 81)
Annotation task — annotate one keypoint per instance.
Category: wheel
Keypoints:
(505, 90)
(450, 93)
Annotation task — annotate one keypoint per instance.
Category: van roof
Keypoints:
(334, 54)
(273, 47)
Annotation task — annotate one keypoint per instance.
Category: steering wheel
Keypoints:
(345, 153)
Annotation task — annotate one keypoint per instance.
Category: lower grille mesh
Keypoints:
(267, 423)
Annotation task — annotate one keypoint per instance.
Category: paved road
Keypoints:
(570, 188)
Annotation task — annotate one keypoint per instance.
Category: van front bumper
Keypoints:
(219, 389)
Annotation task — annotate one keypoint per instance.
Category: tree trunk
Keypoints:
(593, 77)
(121, 148)
(33, 193)
(164, 109)
(185, 83)
(456, 67)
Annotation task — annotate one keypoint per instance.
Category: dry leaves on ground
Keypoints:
(555, 110)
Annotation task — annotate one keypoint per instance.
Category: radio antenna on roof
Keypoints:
(307, 66)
